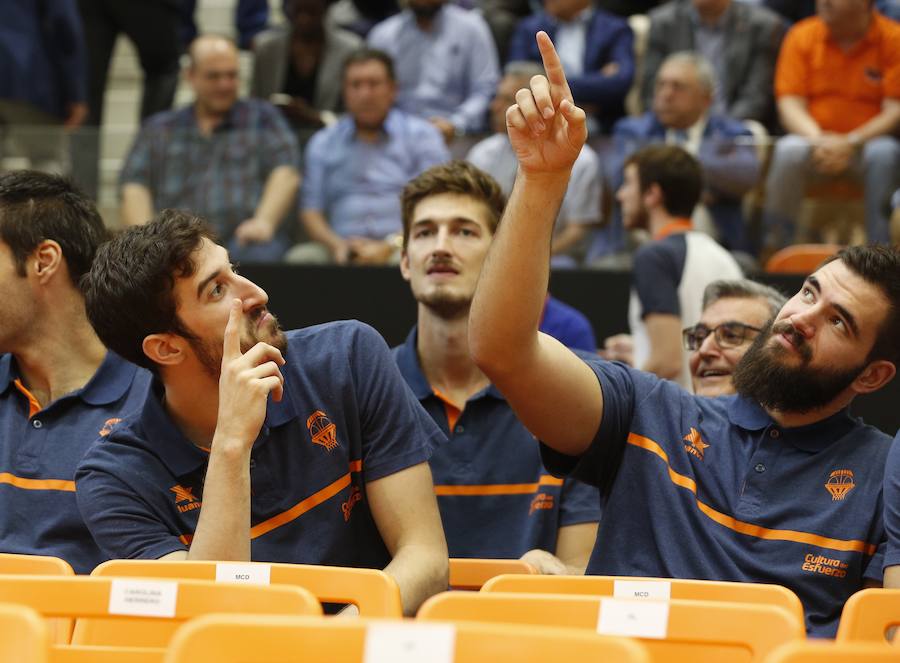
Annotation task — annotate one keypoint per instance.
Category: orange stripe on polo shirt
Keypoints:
(37, 484)
(846, 545)
(33, 406)
(498, 488)
(305, 505)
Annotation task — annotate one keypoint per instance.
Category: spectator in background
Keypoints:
(502, 16)
(661, 186)
(450, 214)
(360, 16)
(446, 64)
(298, 66)
(356, 169)
(59, 387)
(626, 8)
(581, 206)
(838, 92)
(42, 80)
(596, 49)
(232, 160)
(153, 27)
(796, 10)
(250, 18)
(683, 96)
(734, 312)
(739, 40)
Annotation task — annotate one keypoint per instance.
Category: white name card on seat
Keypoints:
(143, 598)
(249, 574)
(642, 589)
(410, 643)
(639, 619)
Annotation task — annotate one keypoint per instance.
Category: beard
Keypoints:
(763, 376)
(445, 305)
(209, 354)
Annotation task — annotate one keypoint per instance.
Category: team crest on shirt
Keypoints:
(108, 426)
(184, 498)
(322, 430)
(839, 484)
(873, 75)
(540, 502)
(695, 444)
(347, 507)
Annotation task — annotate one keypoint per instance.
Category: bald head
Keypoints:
(213, 74)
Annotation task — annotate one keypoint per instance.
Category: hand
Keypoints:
(340, 253)
(547, 130)
(299, 111)
(245, 382)
(78, 113)
(254, 231)
(365, 251)
(832, 154)
(445, 127)
(619, 348)
(545, 563)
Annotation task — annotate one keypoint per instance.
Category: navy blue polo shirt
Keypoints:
(40, 449)
(713, 488)
(346, 418)
(496, 498)
(892, 504)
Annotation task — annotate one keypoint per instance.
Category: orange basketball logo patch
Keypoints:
(840, 482)
(322, 430)
(696, 446)
(107, 426)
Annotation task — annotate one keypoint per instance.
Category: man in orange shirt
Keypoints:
(837, 86)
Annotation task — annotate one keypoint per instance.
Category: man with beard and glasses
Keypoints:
(254, 444)
(450, 214)
(776, 484)
(446, 60)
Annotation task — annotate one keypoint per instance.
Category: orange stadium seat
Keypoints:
(868, 615)
(800, 258)
(24, 636)
(60, 629)
(374, 592)
(473, 573)
(695, 631)
(834, 652)
(702, 590)
(253, 639)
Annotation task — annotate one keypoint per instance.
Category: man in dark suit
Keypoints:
(596, 49)
(740, 40)
(681, 116)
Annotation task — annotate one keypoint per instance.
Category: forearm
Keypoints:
(223, 529)
(885, 123)
(319, 230)
(663, 366)
(569, 237)
(892, 577)
(137, 205)
(279, 195)
(420, 571)
(796, 118)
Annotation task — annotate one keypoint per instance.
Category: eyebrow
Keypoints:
(847, 315)
(205, 282)
(455, 219)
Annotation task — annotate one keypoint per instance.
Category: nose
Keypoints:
(710, 346)
(250, 294)
(804, 321)
(442, 241)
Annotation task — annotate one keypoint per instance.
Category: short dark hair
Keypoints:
(129, 293)
(37, 206)
(365, 54)
(677, 174)
(452, 177)
(879, 265)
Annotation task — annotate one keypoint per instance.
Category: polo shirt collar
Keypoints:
(750, 415)
(392, 124)
(411, 369)
(229, 121)
(164, 439)
(280, 412)
(110, 382)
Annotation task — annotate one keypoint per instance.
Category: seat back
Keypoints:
(868, 615)
(144, 613)
(60, 629)
(800, 258)
(246, 639)
(471, 574)
(24, 636)
(676, 630)
(652, 588)
(833, 652)
(374, 592)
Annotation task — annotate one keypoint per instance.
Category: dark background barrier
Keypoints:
(302, 296)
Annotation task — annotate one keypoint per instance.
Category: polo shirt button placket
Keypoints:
(459, 430)
(774, 433)
(760, 468)
(36, 423)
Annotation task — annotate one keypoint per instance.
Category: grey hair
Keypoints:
(706, 75)
(743, 289)
(523, 69)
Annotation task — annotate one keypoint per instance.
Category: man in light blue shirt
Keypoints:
(356, 168)
(447, 66)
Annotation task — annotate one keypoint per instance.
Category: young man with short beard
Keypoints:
(332, 469)
(450, 214)
(776, 484)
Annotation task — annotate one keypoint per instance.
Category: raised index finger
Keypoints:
(232, 346)
(559, 86)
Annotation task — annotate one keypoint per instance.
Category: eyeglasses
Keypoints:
(728, 335)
